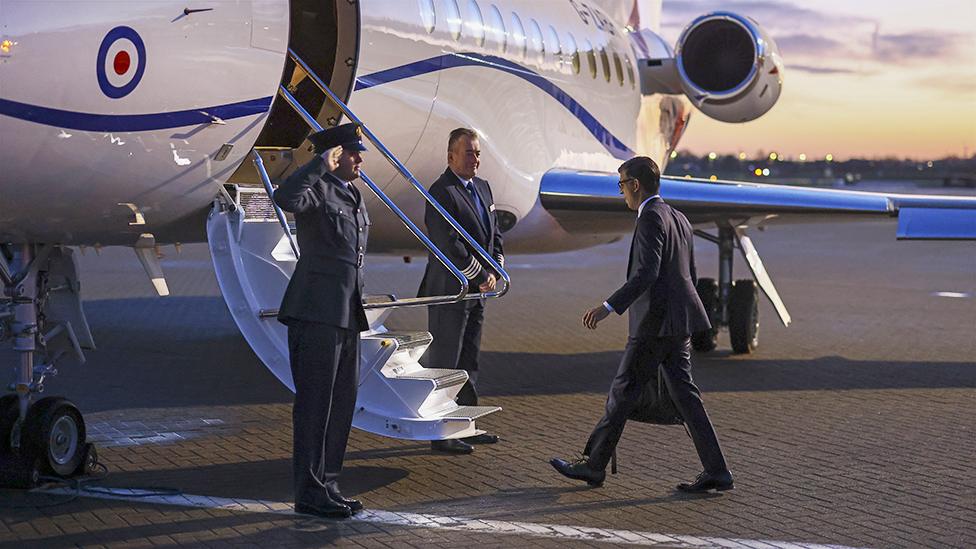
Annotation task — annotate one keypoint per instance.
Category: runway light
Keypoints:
(6, 45)
(829, 158)
(765, 172)
(712, 156)
(687, 176)
(773, 156)
(758, 172)
(713, 177)
(674, 154)
(742, 156)
(803, 157)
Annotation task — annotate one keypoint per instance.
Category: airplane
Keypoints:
(152, 123)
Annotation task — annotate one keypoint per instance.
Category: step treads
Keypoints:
(407, 340)
(441, 377)
(470, 412)
(257, 205)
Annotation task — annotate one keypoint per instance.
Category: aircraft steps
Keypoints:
(398, 397)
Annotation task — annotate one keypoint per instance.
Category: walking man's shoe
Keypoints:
(579, 470)
(451, 446)
(483, 438)
(706, 482)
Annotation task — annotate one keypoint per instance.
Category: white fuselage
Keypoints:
(78, 163)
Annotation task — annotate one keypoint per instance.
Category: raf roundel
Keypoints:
(121, 62)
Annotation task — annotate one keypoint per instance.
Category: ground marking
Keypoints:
(482, 526)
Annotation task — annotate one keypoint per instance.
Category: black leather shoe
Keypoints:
(483, 438)
(451, 446)
(579, 470)
(327, 509)
(353, 504)
(705, 482)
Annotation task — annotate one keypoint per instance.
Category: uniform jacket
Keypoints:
(450, 193)
(660, 292)
(333, 227)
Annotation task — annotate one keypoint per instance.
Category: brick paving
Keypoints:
(852, 427)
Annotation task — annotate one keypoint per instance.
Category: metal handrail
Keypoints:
(409, 176)
(410, 225)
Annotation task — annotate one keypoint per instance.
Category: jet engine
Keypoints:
(729, 67)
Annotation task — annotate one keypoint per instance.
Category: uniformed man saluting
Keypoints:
(323, 310)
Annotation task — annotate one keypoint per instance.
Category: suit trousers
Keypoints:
(325, 369)
(640, 361)
(456, 328)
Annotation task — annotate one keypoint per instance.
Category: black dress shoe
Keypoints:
(705, 482)
(579, 470)
(483, 438)
(327, 509)
(451, 446)
(353, 504)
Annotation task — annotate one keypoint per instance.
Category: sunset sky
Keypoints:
(864, 78)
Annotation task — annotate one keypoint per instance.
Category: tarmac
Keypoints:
(852, 427)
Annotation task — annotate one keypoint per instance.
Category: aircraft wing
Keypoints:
(572, 196)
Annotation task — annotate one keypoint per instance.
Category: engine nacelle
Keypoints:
(729, 67)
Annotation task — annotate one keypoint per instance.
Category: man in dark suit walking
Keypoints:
(456, 327)
(664, 311)
(323, 310)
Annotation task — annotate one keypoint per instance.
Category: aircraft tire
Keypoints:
(55, 431)
(8, 416)
(706, 341)
(744, 316)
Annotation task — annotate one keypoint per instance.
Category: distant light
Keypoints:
(929, 163)
(803, 157)
(829, 158)
(6, 45)
(687, 176)
(713, 177)
(742, 156)
(713, 156)
(674, 154)
(765, 172)
(758, 172)
(773, 156)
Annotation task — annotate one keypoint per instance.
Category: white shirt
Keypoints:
(640, 210)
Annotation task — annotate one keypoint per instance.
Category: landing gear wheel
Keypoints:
(744, 316)
(9, 411)
(707, 340)
(55, 431)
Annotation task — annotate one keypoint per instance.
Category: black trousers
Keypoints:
(640, 361)
(456, 328)
(325, 368)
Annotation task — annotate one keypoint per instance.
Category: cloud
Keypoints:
(905, 48)
(810, 45)
(772, 14)
(820, 70)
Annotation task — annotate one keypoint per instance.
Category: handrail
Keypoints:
(282, 220)
(410, 225)
(409, 176)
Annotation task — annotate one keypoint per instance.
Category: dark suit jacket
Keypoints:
(660, 290)
(333, 227)
(450, 193)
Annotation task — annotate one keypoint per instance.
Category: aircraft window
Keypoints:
(571, 47)
(427, 14)
(453, 17)
(630, 71)
(605, 62)
(475, 23)
(496, 29)
(535, 39)
(518, 35)
(590, 58)
(618, 68)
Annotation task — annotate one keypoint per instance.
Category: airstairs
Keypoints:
(254, 252)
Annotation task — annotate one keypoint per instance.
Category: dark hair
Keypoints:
(645, 171)
(457, 134)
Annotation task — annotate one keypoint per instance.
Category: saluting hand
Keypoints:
(594, 315)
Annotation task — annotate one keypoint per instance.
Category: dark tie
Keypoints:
(477, 204)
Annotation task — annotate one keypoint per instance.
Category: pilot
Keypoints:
(456, 327)
(323, 309)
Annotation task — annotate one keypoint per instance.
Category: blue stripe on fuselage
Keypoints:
(613, 145)
(131, 122)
